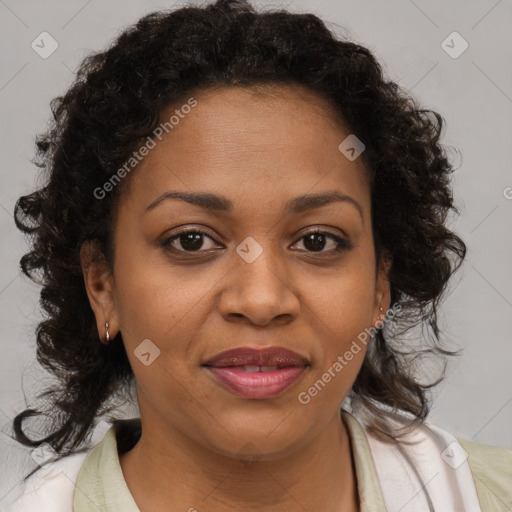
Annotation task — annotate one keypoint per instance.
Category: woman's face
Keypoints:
(253, 280)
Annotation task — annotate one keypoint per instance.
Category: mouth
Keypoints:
(257, 373)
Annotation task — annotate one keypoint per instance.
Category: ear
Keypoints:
(382, 289)
(99, 284)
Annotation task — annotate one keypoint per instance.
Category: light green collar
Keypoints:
(101, 485)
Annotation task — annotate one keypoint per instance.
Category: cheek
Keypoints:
(340, 320)
(343, 300)
(340, 311)
(154, 297)
(158, 303)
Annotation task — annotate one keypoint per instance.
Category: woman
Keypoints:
(241, 217)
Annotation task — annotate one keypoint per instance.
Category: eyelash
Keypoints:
(341, 244)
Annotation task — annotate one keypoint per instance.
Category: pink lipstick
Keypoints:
(257, 373)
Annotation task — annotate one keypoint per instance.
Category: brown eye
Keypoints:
(188, 240)
(193, 240)
(316, 241)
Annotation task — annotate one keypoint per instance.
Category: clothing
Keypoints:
(93, 481)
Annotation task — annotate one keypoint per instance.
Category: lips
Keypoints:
(257, 373)
(246, 356)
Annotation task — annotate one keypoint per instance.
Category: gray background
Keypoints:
(473, 93)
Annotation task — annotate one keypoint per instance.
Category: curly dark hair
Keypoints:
(116, 102)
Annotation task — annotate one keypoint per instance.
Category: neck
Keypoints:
(320, 476)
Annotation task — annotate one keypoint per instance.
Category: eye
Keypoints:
(316, 241)
(190, 240)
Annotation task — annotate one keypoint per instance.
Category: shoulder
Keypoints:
(474, 476)
(49, 489)
(491, 467)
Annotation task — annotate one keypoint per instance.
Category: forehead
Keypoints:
(262, 117)
(265, 142)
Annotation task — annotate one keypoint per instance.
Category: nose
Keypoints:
(260, 292)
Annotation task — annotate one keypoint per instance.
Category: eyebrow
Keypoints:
(213, 202)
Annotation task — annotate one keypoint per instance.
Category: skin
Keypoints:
(258, 149)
